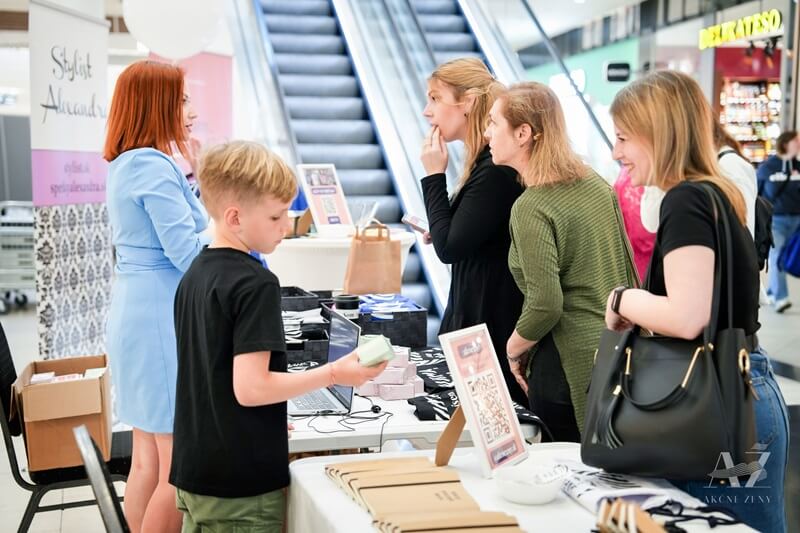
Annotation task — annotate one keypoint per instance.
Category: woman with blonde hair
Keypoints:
(568, 250)
(675, 152)
(470, 231)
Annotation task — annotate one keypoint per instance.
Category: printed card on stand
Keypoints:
(484, 398)
(326, 200)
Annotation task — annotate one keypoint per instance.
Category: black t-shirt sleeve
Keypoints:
(687, 219)
(257, 324)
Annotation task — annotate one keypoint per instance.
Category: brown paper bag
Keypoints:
(374, 262)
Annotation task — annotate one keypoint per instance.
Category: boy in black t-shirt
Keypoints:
(230, 451)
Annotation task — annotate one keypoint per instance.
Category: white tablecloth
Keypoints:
(329, 432)
(317, 504)
(319, 263)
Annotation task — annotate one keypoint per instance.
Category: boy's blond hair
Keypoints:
(242, 171)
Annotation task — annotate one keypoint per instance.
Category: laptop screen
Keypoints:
(343, 340)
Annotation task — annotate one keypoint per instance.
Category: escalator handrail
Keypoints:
(406, 56)
(353, 30)
(556, 55)
(278, 86)
(509, 68)
(420, 30)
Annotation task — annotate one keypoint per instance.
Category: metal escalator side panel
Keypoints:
(390, 130)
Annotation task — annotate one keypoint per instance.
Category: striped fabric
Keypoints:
(567, 254)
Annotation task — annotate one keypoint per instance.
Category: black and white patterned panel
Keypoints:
(74, 266)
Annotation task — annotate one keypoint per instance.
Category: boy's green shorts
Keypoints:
(264, 513)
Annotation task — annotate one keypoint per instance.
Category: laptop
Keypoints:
(336, 399)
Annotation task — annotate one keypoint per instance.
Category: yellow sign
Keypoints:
(760, 24)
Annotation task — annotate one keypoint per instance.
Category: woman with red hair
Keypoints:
(155, 223)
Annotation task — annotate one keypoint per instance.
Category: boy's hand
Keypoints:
(350, 372)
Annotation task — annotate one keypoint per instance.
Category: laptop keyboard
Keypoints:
(314, 401)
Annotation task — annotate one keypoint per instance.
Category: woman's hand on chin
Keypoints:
(434, 152)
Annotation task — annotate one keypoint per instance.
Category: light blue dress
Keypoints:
(155, 224)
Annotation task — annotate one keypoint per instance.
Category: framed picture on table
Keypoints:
(484, 398)
(326, 200)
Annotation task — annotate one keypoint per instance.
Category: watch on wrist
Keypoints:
(616, 299)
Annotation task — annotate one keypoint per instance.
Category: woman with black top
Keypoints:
(675, 152)
(470, 231)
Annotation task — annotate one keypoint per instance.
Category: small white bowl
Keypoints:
(530, 483)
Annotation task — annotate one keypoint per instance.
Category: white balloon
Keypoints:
(174, 29)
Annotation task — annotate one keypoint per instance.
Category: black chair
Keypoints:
(102, 486)
(46, 481)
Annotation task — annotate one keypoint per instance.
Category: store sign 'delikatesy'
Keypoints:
(762, 24)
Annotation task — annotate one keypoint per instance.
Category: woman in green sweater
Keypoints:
(568, 251)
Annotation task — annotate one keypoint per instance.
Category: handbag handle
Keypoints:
(675, 394)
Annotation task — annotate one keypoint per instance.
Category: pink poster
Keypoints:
(209, 82)
(65, 177)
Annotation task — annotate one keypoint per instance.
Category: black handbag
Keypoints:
(666, 407)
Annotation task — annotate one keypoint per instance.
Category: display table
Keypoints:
(325, 433)
(319, 263)
(317, 504)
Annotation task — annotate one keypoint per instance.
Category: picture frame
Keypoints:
(326, 201)
(484, 398)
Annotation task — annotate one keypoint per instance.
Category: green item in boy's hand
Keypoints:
(364, 339)
(375, 351)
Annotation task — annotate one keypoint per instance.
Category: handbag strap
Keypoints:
(630, 264)
(710, 331)
(723, 246)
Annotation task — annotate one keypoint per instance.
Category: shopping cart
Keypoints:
(17, 270)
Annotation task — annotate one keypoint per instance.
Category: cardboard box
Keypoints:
(49, 411)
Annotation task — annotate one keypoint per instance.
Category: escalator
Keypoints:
(446, 29)
(329, 118)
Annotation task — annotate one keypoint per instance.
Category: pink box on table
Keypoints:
(401, 354)
(391, 376)
(370, 388)
(419, 385)
(396, 392)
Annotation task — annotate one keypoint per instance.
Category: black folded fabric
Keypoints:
(440, 406)
(432, 368)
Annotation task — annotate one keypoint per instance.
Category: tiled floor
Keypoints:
(780, 335)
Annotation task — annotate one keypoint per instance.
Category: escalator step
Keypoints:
(297, 7)
(443, 23)
(333, 131)
(344, 156)
(296, 25)
(444, 57)
(374, 182)
(436, 7)
(413, 270)
(388, 212)
(318, 64)
(287, 43)
(304, 85)
(452, 42)
(304, 107)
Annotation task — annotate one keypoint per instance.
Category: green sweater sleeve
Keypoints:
(537, 255)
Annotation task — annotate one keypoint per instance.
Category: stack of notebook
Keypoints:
(411, 494)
